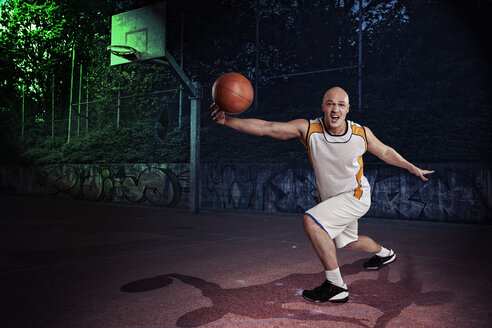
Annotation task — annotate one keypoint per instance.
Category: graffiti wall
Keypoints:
(454, 193)
(154, 184)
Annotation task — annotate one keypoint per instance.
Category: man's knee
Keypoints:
(308, 224)
(353, 245)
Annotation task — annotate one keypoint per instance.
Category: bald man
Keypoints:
(335, 147)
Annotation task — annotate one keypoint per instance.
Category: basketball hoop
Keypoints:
(126, 52)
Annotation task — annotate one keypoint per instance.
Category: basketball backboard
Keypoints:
(143, 29)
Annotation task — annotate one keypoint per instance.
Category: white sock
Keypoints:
(384, 252)
(334, 277)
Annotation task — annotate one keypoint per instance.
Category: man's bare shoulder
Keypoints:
(302, 126)
(368, 131)
(301, 122)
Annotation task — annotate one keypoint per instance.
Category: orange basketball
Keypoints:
(233, 93)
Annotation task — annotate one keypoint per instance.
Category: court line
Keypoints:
(118, 256)
(306, 317)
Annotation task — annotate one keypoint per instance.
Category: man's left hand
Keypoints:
(419, 172)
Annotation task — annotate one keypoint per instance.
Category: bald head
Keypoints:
(335, 106)
(336, 94)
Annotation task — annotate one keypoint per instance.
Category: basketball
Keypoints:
(233, 93)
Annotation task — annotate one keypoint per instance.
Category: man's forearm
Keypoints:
(247, 125)
(277, 130)
(392, 157)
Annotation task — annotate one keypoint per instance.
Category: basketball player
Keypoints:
(335, 147)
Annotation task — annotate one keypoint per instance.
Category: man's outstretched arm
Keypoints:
(390, 156)
(257, 127)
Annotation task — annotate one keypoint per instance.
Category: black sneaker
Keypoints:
(377, 262)
(327, 292)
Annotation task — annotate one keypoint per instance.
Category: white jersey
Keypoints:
(337, 159)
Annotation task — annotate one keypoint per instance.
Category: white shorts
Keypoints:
(338, 216)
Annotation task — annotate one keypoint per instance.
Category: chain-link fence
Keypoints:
(81, 108)
(424, 81)
(165, 108)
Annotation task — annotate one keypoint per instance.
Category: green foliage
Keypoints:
(138, 144)
(43, 153)
(33, 40)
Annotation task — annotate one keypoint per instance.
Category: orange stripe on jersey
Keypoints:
(358, 176)
(313, 128)
(357, 130)
(358, 192)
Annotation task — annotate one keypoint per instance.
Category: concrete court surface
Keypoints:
(82, 264)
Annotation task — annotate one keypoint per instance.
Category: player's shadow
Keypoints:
(265, 301)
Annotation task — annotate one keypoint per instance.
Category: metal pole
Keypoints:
(80, 98)
(257, 59)
(71, 96)
(53, 110)
(181, 64)
(360, 55)
(118, 111)
(86, 107)
(118, 103)
(23, 102)
(195, 150)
